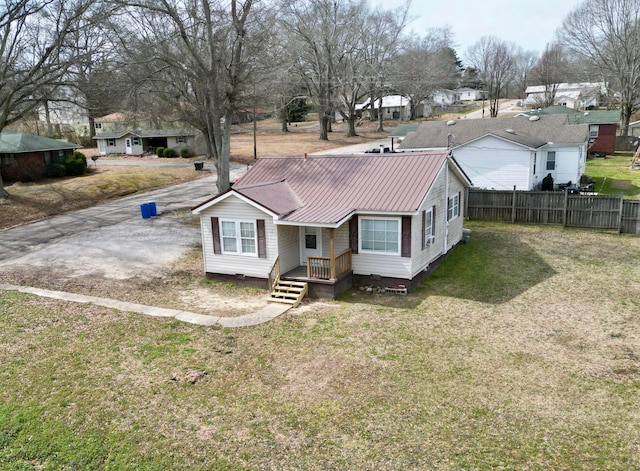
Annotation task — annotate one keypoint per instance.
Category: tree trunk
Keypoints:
(625, 117)
(285, 126)
(380, 117)
(222, 162)
(3, 192)
(352, 126)
(324, 128)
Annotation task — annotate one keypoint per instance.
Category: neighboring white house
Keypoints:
(470, 94)
(138, 142)
(444, 98)
(335, 221)
(394, 107)
(503, 153)
(572, 95)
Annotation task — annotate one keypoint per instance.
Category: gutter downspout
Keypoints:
(446, 208)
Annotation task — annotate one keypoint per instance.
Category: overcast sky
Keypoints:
(531, 25)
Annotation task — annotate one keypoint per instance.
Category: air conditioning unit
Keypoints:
(430, 240)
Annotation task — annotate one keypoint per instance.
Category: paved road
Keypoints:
(19, 241)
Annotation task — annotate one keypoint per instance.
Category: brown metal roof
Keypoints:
(276, 196)
(330, 187)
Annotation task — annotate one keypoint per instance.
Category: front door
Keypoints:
(127, 143)
(310, 243)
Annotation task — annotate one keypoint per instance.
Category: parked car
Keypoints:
(377, 150)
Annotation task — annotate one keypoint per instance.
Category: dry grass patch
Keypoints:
(34, 201)
(300, 140)
(542, 375)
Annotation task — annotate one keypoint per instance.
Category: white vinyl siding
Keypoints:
(235, 209)
(497, 164)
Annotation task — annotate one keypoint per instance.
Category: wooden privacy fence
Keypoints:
(603, 212)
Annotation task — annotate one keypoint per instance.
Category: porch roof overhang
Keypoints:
(317, 217)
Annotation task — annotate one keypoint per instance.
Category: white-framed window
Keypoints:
(135, 141)
(551, 160)
(97, 125)
(111, 142)
(181, 140)
(379, 235)
(238, 237)
(453, 207)
(429, 227)
(593, 130)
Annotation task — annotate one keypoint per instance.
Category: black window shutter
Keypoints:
(433, 221)
(424, 228)
(215, 230)
(406, 236)
(262, 241)
(353, 234)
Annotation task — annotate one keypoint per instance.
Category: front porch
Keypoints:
(327, 277)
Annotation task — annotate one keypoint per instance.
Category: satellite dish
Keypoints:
(451, 122)
(510, 131)
(534, 118)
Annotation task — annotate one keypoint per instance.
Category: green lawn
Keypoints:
(522, 351)
(612, 175)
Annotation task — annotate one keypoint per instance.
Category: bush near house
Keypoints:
(160, 151)
(184, 153)
(169, 152)
(57, 171)
(75, 164)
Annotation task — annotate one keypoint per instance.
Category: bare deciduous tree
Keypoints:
(34, 54)
(494, 59)
(319, 30)
(550, 70)
(201, 55)
(426, 65)
(607, 33)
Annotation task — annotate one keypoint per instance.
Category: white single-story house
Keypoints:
(503, 153)
(445, 98)
(578, 96)
(393, 107)
(138, 142)
(470, 94)
(334, 221)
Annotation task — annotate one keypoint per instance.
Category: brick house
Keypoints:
(27, 157)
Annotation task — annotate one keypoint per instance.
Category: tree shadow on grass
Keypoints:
(493, 267)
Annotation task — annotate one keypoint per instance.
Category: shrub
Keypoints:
(169, 152)
(184, 153)
(160, 151)
(57, 171)
(75, 164)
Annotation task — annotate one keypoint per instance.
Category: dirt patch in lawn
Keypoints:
(622, 184)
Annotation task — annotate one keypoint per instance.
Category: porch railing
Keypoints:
(326, 269)
(274, 275)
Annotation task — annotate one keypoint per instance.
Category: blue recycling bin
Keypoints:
(152, 208)
(145, 210)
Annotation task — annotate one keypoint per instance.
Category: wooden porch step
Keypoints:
(288, 292)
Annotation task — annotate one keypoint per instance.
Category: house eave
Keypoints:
(223, 196)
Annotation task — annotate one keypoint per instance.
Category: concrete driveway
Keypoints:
(112, 238)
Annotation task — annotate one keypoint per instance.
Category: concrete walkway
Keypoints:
(267, 313)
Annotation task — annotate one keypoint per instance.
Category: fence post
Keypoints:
(513, 206)
(620, 212)
(566, 204)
